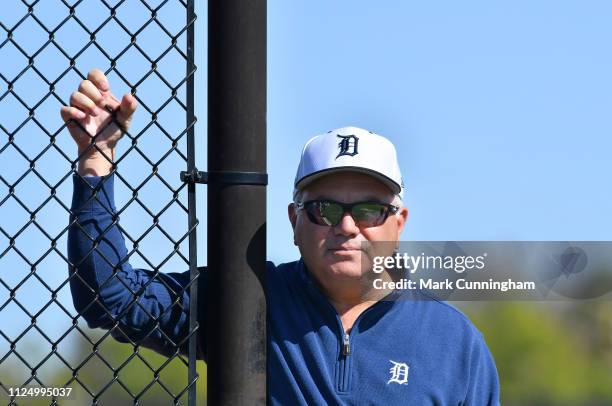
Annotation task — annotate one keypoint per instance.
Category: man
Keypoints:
(332, 337)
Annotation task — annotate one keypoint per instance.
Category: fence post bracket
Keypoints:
(225, 177)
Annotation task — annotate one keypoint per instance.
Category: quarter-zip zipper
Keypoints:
(346, 345)
(343, 371)
(345, 362)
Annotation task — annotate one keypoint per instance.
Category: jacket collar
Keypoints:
(369, 317)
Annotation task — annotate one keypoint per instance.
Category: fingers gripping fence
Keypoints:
(46, 48)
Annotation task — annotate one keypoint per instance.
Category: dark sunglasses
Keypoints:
(330, 213)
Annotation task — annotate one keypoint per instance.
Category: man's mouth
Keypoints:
(345, 249)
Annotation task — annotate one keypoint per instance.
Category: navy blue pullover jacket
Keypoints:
(399, 351)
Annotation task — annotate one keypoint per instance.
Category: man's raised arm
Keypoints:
(137, 305)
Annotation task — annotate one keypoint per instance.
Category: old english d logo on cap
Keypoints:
(347, 145)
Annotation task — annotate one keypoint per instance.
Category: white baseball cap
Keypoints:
(350, 149)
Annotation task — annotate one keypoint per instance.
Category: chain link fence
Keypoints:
(46, 48)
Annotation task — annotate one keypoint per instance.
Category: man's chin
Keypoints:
(348, 268)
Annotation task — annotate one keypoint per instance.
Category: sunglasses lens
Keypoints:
(369, 214)
(330, 213)
(324, 213)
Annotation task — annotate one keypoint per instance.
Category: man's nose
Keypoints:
(347, 225)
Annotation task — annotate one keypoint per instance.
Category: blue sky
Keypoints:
(500, 112)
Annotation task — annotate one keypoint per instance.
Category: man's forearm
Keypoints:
(94, 247)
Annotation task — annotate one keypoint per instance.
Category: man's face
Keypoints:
(334, 253)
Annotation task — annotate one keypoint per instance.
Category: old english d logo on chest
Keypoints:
(398, 373)
(347, 145)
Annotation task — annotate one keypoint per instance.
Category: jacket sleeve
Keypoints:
(483, 387)
(139, 306)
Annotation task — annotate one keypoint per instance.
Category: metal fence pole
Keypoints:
(236, 306)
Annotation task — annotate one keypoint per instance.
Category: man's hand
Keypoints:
(93, 107)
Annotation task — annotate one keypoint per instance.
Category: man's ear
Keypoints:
(402, 216)
(292, 212)
(292, 215)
